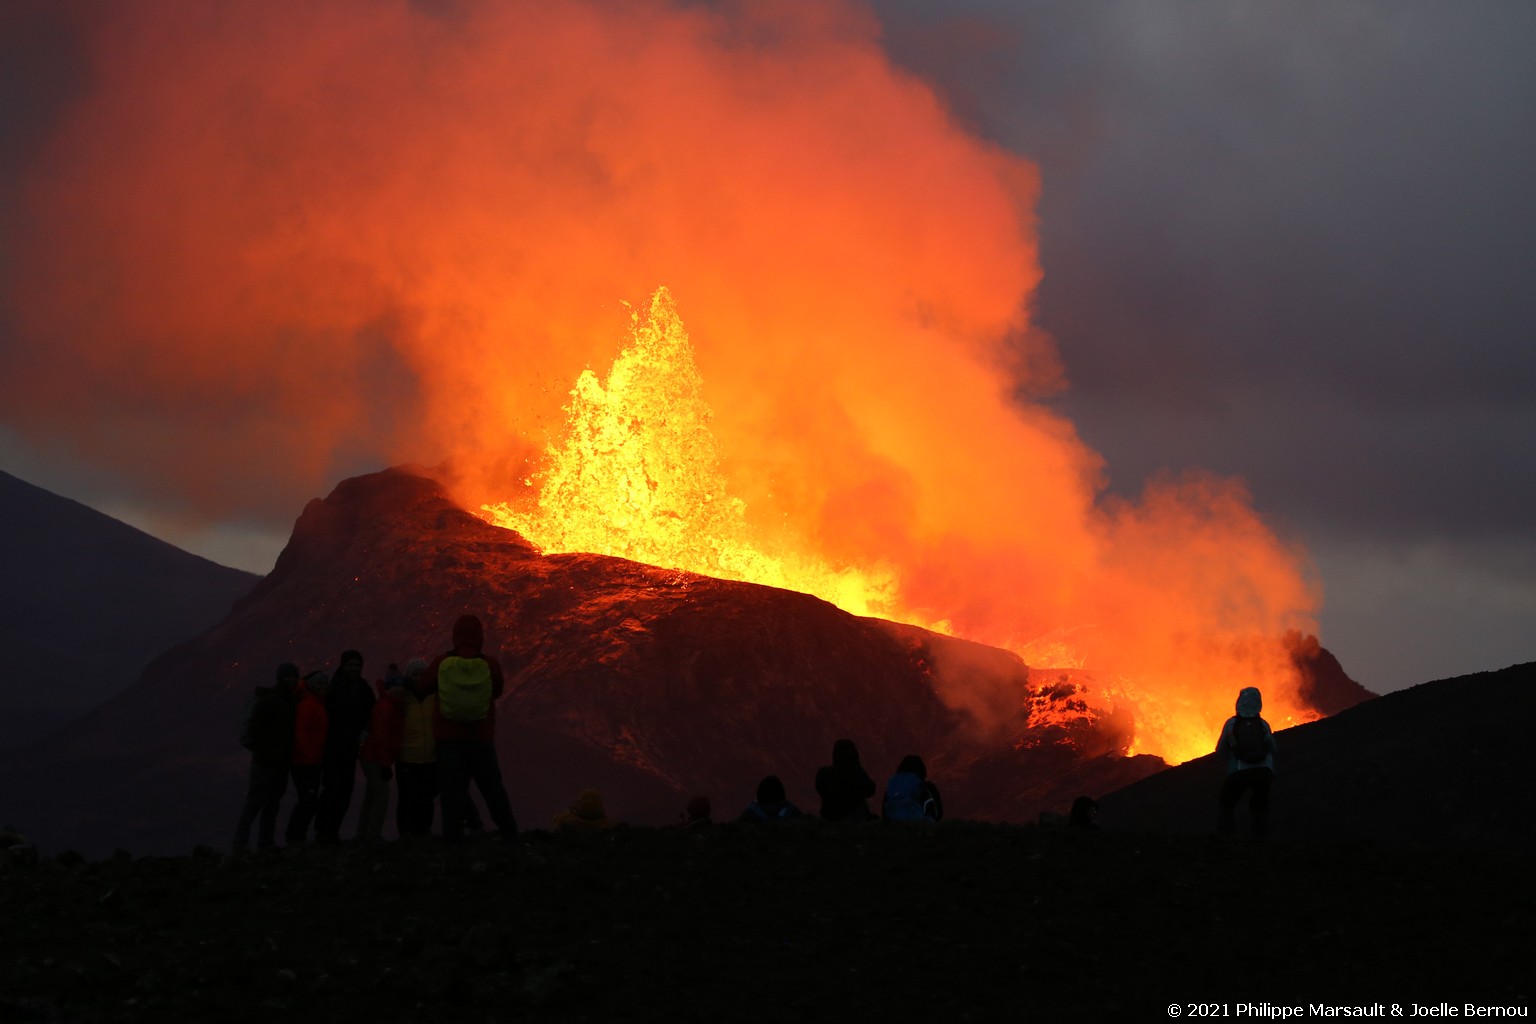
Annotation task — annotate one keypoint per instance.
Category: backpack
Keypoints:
(781, 811)
(904, 798)
(1250, 740)
(464, 689)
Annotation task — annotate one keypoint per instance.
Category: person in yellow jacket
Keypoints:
(416, 764)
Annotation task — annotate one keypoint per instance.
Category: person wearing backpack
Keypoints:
(909, 796)
(266, 730)
(469, 682)
(1248, 744)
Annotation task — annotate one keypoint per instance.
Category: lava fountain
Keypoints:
(638, 474)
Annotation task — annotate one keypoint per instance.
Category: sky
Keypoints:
(1293, 242)
(1286, 243)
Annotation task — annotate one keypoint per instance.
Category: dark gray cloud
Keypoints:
(1292, 242)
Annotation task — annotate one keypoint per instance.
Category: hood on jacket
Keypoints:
(1249, 702)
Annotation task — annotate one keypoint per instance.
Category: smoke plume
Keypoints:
(271, 242)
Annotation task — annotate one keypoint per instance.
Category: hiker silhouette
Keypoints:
(1248, 745)
(309, 730)
(845, 787)
(268, 735)
(347, 709)
(469, 682)
(771, 804)
(909, 796)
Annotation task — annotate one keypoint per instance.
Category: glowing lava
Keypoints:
(638, 476)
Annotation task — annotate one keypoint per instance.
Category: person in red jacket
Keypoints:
(310, 726)
(382, 746)
(469, 682)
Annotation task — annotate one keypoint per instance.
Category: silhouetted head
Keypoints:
(770, 791)
(416, 677)
(351, 665)
(589, 805)
(468, 634)
(698, 809)
(318, 683)
(913, 765)
(287, 676)
(845, 753)
(1085, 812)
(1250, 702)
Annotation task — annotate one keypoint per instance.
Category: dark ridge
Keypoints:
(1439, 764)
(88, 602)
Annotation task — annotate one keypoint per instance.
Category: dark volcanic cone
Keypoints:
(650, 684)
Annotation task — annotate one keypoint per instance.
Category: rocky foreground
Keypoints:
(961, 922)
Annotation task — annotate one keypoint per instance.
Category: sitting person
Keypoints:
(844, 785)
(585, 815)
(909, 796)
(771, 804)
(696, 815)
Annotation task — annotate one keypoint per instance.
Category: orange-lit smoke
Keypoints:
(275, 238)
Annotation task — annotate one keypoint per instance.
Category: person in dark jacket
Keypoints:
(771, 805)
(469, 682)
(1247, 746)
(845, 787)
(348, 710)
(269, 737)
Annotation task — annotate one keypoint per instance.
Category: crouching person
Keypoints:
(909, 796)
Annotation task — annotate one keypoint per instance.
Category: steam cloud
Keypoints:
(275, 239)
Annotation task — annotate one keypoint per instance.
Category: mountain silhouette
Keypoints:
(89, 602)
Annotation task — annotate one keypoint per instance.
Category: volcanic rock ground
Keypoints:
(961, 922)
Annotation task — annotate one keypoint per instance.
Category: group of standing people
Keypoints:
(431, 729)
